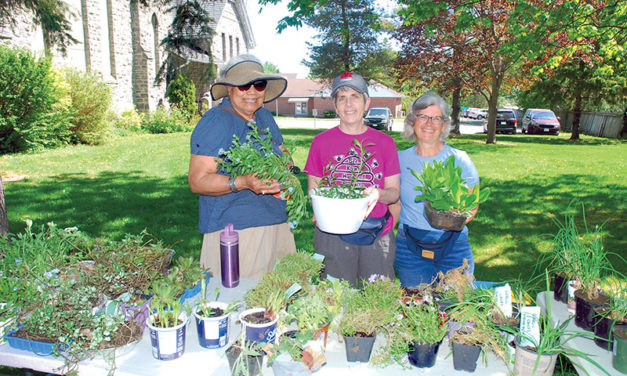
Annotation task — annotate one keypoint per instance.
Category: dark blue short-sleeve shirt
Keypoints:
(244, 209)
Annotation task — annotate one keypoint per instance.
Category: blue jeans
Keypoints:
(413, 270)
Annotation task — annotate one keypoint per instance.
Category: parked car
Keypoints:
(379, 118)
(478, 113)
(506, 121)
(537, 120)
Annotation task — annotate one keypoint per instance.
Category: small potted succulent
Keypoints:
(340, 206)
(448, 200)
(365, 311)
(256, 155)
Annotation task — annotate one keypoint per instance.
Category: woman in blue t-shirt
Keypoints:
(428, 124)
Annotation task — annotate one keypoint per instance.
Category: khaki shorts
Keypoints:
(259, 249)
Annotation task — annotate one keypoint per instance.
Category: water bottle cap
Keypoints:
(229, 235)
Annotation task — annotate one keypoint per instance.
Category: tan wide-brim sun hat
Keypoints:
(245, 69)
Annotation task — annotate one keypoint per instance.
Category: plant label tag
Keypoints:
(427, 254)
(529, 326)
(293, 289)
(332, 278)
(503, 295)
(167, 342)
(318, 257)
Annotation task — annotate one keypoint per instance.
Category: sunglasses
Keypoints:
(259, 85)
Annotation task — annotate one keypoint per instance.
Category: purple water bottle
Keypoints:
(229, 256)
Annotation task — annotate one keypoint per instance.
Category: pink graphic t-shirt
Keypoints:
(336, 148)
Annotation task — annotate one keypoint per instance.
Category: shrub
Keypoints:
(128, 121)
(166, 121)
(329, 114)
(30, 114)
(181, 93)
(90, 99)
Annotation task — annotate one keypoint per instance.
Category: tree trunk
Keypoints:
(455, 110)
(4, 221)
(623, 132)
(492, 104)
(576, 116)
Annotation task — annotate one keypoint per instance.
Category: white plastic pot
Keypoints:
(338, 215)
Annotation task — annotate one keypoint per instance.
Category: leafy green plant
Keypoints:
(300, 266)
(330, 186)
(418, 323)
(310, 312)
(445, 189)
(204, 304)
(256, 156)
(165, 304)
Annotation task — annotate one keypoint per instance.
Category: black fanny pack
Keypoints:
(369, 230)
(428, 243)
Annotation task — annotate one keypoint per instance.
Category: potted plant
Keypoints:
(312, 313)
(474, 334)
(619, 351)
(293, 354)
(448, 200)
(418, 333)
(167, 322)
(610, 317)
(245, 357)
(340, 206)
(212, 319)
(537, 350)
(257, 156)
(374, 307)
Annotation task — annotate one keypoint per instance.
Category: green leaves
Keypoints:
(445, 189)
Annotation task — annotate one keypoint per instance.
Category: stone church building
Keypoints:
(119, 40)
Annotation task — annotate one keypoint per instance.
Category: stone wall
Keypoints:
(119, 40)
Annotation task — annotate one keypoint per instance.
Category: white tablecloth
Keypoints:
(138, 360)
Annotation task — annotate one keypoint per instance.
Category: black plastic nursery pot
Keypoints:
(358, 349)
(252, 366)
(603, 328)
(560, 288)
(465, 357)
(585, 317)
(423, 355)
(619, 352)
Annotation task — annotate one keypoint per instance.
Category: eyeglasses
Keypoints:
(436, 120)
(259, 85)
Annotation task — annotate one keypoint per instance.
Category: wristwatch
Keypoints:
(232, 186)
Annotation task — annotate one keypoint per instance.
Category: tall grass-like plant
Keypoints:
(581, 256)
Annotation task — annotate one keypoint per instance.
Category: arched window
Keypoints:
(155, 35)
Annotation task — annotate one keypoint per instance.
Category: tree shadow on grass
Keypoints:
(520, 217)
(110, 205)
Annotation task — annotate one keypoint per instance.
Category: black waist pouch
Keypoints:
(369, 230)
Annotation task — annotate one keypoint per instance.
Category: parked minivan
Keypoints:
(538, 120)
(379, 118)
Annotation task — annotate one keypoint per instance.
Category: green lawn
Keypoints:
(140, 182)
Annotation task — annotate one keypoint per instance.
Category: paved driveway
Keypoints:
(467, 126)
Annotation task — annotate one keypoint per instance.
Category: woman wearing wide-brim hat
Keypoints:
(247, 202)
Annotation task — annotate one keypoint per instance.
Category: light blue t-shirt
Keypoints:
(412, 212)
